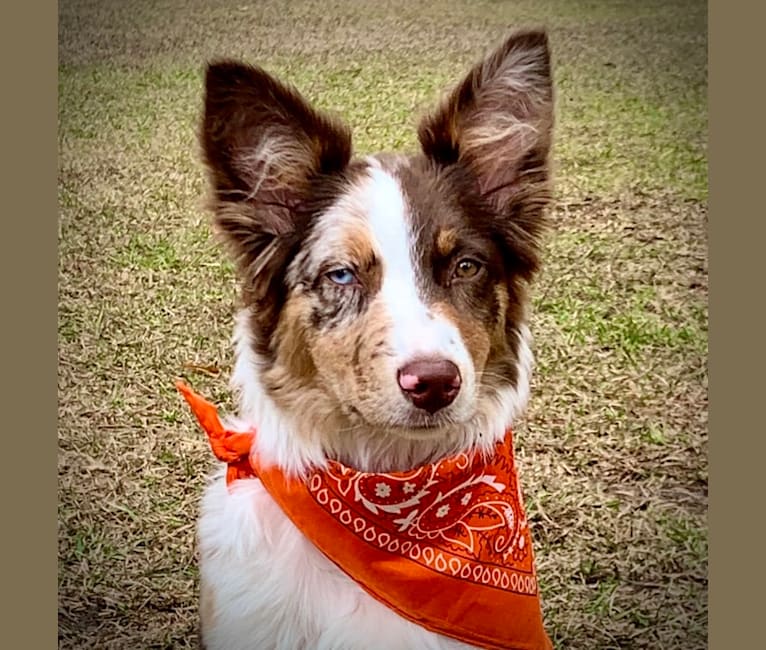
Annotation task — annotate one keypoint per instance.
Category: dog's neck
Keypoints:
(297, 443)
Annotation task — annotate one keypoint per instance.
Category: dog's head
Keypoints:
(386, 296)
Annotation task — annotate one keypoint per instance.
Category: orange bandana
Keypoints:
(446, 545)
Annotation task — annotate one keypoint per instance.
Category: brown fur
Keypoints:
(477, 191)
(501, 139)
(446, 240)
(268, 152)
(474, 332)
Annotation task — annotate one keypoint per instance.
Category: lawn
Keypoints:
(613, 448)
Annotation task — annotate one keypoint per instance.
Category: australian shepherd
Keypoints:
(384, 320)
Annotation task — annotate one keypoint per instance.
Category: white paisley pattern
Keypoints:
(462, 517)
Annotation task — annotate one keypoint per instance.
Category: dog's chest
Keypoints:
(264, 585)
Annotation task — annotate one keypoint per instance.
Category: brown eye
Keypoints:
(467, 268)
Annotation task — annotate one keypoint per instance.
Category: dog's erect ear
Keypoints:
(498, 120)
(264, 145)
(497, 123)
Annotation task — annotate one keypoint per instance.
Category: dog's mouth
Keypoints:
(412, 425)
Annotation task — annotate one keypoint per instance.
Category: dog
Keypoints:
(385, 320)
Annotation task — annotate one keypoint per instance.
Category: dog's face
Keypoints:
(388, 291)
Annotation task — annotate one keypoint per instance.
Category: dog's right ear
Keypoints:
(263, 145)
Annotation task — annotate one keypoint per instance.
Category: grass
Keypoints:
(613, 449)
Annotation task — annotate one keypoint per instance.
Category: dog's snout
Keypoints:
(430, 384)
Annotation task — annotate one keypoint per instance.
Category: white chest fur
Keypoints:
(265, 586)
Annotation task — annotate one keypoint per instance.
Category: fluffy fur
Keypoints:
(352, 270)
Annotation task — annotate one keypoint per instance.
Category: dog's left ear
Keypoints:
(497, 125)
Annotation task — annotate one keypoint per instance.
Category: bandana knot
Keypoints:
(230, 447)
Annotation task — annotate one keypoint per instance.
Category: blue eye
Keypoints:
(342, 276)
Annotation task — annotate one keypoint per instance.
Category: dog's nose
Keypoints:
(430, 384)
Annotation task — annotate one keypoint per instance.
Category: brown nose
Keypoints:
(430, 384)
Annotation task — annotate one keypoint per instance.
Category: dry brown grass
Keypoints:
(613, 451)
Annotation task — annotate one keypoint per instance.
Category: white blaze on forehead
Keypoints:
(415, 331)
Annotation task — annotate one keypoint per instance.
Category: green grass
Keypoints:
(613, 449)
(628, 323)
